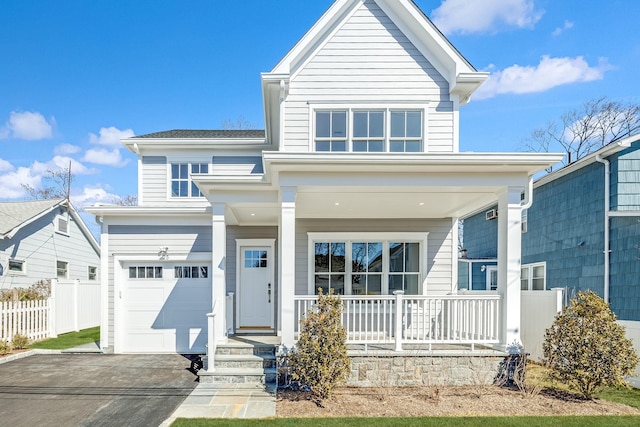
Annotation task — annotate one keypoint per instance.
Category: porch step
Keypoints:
(239, 376)
(242, 361)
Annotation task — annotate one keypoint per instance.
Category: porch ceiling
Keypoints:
(330, 202)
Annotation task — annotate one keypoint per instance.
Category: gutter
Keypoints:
(607, 250)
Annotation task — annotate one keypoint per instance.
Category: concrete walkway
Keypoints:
(227, 401)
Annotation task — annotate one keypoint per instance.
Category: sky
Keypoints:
(78, 75)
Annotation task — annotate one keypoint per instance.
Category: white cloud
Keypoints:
(66, 149)
(11, 182)
(27, 125)
(105, 157)
(110, 136)
(551, 72)
(5, 166)
(567, 26)
(91, 195)
(464, 16)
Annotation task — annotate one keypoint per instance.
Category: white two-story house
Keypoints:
(355, 185)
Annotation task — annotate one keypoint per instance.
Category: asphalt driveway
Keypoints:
(93, 389)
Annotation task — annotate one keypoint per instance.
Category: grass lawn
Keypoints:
(70, 340)
(626, 396)
(609, 421)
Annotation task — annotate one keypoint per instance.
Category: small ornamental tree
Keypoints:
(320, 360)
(586, 348)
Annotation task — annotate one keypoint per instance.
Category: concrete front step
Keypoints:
(238, 375)
(249, 361)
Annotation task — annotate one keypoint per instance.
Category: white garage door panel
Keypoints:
(166, 315)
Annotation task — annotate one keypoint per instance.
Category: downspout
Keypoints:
(607, 251)
(528, 195)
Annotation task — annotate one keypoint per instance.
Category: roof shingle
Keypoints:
(205, 134)
(12, 214)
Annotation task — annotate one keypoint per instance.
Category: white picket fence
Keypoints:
(73, 306)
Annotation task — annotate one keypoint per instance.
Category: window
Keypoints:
(533, 277)
(366, 263)
(376, 130)
(181, 184)
(62, 269)
(330, 267)
(61, 224)
(92, 272)
(406, 131)
(16, 266)
(191, 272)
(368, 131)
(525, 218)
(255, 259)
(145, 272)
(331, 131)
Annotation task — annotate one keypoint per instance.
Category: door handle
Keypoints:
(269, 292)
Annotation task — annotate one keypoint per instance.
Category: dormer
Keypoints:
(370, 76)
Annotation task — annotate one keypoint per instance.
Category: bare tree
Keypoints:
(239, 124)
(587, 128)
(56, 185)
(128, 200)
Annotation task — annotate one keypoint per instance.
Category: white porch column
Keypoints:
(287, 263)
(218, 278)
(509, 258)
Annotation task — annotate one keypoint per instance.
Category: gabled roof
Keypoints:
(204, 134)
(606, 151)
(16, 215)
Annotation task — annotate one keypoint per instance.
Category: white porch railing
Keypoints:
(451, 319)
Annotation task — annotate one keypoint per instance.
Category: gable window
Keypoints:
(181, 184)
(92, 272)
(16, 266)
(62, 269)
(331, 131)
(61, 224)
(374, 130)
(368, 131)
(406, 132)
(366, 263)
(533, 277)
(145, 272)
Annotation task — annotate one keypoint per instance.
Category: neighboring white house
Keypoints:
(356, 184)
(45, 239)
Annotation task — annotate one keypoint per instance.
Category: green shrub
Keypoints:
(19, 342)
(585, 347)
(5, 347)
(320, 360)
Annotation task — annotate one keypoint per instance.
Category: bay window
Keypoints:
(374, 130)
(366, 263)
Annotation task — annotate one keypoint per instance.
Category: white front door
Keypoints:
(256, 292)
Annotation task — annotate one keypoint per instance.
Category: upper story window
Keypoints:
(181, 184)
(373, 130)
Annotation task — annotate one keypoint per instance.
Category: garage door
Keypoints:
(165, 308)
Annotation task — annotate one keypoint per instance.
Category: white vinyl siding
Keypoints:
(154, 180)
(369, 60)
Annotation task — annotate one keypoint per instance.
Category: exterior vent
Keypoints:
(492, 214)
(62, 224)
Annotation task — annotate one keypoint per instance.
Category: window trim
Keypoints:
(387, 108)
(56, 223)
(189, 162)
(66, 270)
(22, 272)
(367, 237)
(530, 267)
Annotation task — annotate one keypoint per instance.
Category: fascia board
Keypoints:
(134, 145)
(113, 210)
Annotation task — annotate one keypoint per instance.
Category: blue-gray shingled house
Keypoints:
(582, 232)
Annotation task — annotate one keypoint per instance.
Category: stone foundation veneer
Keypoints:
(403, 370)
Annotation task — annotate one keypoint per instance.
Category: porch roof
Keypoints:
(372, 185)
